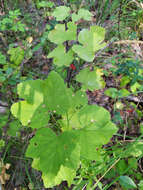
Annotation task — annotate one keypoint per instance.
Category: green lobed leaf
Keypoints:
(86, 129)
(71, 31)
(89, 115)
(93, 137)
(24, 111)
(60, 34)
(55, 95)
(91, 80)
(60, 56)
(84, 53)
(94, 129)
(40, 117)
(91, 40)
(61, 13)
(75, 17)
(77, 99)
(31, 91)
(54, 154)
(64, 174)
(57, 35)
(34, 115)
(31, 111)
(82, 14)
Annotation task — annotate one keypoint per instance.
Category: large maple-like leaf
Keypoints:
(54, 155)
(85, 128)
(31, 91)
(92, 137)
(77, 99)
(60, 34)
(40, 117)
(64, 174)
(31, 111)
(89, 115)
(91, 41)
(95, 130)
(34, 115)
(55, 94)
(23, 111)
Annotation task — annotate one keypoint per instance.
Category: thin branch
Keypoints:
(129, 42)
(99, 52)
(105, 173)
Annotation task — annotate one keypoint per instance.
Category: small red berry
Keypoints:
(130, 110)
(72, 66)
